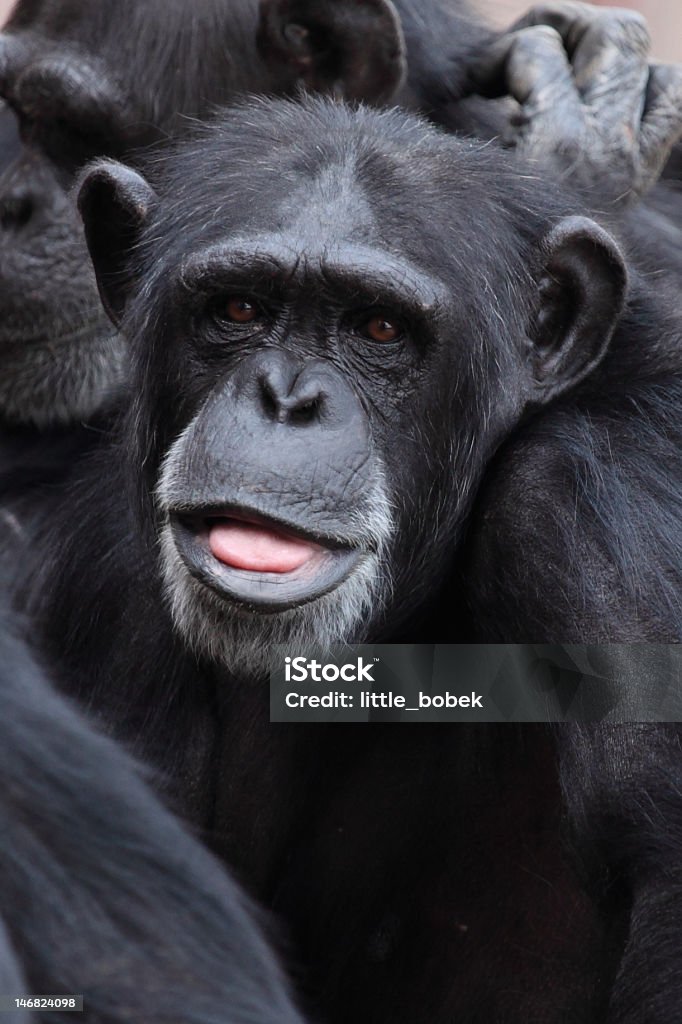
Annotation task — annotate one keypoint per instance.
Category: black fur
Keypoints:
(102, 892)
(576, 533)
(81, 90)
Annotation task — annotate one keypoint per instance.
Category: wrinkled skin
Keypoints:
(588, 97)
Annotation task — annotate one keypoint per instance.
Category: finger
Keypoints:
(572, 19)
(610, 64)
(530, 65)
(662, 122)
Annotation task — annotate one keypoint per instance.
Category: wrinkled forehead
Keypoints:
(306, 220)
(372, 201)
(326, 233)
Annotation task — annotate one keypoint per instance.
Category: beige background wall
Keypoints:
(665, 18)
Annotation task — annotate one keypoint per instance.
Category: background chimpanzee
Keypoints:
(103, 893)
(321, 375)
(578, 72)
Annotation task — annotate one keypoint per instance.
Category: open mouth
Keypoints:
(257, 561)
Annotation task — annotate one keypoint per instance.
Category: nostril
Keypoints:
(15, 212)
(285, 398)
(305, 412)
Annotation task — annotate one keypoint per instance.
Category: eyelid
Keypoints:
(398, 320)
(222, 299)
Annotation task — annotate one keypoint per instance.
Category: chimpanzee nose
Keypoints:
(290, 393)
(283, 425)
(283, 397)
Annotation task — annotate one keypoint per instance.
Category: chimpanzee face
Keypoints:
(276, 496)
(333, 330)
(62, 108)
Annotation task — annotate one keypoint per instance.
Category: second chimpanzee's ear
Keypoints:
(353, 49)
(582, 295)
(114, 202)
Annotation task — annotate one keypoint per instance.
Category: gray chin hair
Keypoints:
(242, 640)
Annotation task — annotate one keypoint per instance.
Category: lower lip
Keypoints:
(320, 572)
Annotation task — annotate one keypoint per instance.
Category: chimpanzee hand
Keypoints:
(589, 100)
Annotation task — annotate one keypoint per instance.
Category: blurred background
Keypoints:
(665, 19)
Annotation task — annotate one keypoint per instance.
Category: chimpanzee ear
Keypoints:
(582, 296)
(353, 49)
(114, 202)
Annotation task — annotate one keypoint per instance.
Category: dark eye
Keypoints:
(238, 309)
(382, 329)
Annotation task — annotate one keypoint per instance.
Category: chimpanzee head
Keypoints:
(336, 316)
(87, 78)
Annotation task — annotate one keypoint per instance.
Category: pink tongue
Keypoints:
(247, 546)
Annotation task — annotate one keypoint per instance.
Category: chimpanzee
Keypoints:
(102, 892)
(325, 361)
(119, 100)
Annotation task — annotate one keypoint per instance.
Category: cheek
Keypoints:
(416, 471)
